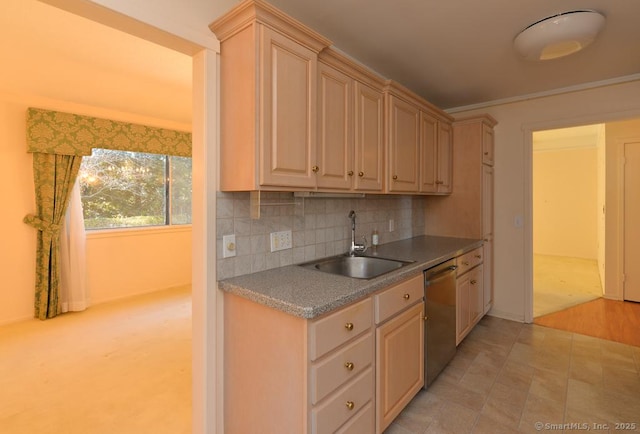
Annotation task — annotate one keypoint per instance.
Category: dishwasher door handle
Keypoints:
(441, 274)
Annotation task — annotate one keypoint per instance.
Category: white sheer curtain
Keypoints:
(73, 281)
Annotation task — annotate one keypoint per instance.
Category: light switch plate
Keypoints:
(280, 240)
(392, 225)
(229, 246)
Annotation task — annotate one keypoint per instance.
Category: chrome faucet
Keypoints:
(355, 247)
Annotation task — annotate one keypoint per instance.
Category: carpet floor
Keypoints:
(121, 367)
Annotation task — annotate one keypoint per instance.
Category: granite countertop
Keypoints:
(308, 293)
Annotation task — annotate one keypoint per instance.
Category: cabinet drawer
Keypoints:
(334, 330)
(395, 299)
(329, 374)
(361, 423)
(343, 405)
(469, 260)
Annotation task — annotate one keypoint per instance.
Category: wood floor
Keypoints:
(613, 320)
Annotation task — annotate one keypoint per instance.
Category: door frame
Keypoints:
(528, 129)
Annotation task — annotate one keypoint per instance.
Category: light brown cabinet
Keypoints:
(399, 348)
(419, 151)
(468, 211)
(335, 373)
(350, 124)
(469, 292)
(437, 155)
(268, 94)
(317, 375)
(403, 154)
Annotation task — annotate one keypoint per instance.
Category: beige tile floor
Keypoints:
(507, 377)
(121, 367)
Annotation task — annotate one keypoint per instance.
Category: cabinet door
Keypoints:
(487, 200)
(369, 139)
(462, 306)
(445, 158)
(429, 156)
(476, 295)
(403, 152)
(335, 129)
(400, 364)
(487, 286)
(287, 111)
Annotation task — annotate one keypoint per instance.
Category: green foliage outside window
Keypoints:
(127, 189)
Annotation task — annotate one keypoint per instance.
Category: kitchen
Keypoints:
(614, 101)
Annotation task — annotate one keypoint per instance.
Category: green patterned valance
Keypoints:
(52, 132)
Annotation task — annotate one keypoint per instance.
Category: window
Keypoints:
(128, 189)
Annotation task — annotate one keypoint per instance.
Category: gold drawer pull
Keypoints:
(350, 405)
(406, 296)
(360, 174)
(473, 281)
(349, 366)
(349, 326)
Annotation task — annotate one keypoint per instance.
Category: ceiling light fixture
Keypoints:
(559, 35)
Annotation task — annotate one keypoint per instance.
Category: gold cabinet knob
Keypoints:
(395, 177)
(473, 281)
(465, 262)
(349, 326)
(439, 182)
(486, 153)
(315, 169)
(406, 296)
(426, 318)
(349, 366)
(350, 173)
(478, 256)
(360, 174)
(350, 405)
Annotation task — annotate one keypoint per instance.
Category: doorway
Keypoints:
(568, 217)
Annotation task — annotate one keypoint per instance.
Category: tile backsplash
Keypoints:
(320, 227)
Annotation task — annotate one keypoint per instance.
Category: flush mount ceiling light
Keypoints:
(559, 35)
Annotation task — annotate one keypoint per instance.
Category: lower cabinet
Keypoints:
(399, 348)
(470, 304)
(350, 371)
(400, 364)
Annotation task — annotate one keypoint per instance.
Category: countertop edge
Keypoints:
(248, 286)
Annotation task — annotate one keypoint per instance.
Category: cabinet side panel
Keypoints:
(238, 111)
(265, 369)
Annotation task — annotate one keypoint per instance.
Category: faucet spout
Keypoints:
(355, 247)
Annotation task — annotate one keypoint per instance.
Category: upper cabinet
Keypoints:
(403, 146)
(296, 114)
(350, 125)
(419, 144)
(268, 97)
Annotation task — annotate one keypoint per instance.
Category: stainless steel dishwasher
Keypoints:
(440, 318)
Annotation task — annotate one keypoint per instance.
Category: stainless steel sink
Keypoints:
(359, 267)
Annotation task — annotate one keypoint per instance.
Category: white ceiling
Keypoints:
(455, 53)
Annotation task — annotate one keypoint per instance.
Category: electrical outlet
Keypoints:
(281, 240)
(229, 246)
